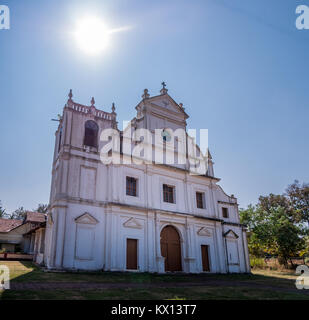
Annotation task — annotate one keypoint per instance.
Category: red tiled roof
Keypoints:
(8, 224)
(35, 217)
(41, 225)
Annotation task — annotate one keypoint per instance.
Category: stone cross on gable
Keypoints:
(163, 90)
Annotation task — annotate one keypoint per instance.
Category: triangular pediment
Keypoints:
(231, 234)
(205, 232)
(132, 223)
(166, 102)
(86, 218)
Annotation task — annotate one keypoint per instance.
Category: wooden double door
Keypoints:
(171, 248)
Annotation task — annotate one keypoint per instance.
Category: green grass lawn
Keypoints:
(260, 284)
(184, 293)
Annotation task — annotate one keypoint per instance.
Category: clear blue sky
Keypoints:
(239, 67)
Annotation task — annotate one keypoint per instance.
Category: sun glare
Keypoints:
(92, 36)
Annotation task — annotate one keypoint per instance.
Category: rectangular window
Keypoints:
(225, 212)
(200, 200)
(168, 193)
(131, 186)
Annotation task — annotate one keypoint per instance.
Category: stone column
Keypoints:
(159, 258)
(31, 249)
(52, 240)
(221, 252)
(114, 244)
(35, 250)
(60, 238)
(148, 187)
(38, 235)
(68, 116)
(107, 248)
(151, 243)
(190, 258)
(110, 183)
(64, 173)
(214, 201)
(187, 184)
(246, 251)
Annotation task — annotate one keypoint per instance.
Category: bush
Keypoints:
(282, 261)
(257, 263)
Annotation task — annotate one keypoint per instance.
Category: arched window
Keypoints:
(91, 134)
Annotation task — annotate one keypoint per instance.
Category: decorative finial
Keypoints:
(146, 94)
(113, 107)
(92, 102)
(70, 95)
(163, 90)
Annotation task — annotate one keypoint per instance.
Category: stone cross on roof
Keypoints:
(163, 90)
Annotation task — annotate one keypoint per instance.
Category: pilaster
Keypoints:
(159, 258)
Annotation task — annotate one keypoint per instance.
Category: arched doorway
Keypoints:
(170, 248)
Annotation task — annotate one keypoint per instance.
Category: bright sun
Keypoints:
(92, 36)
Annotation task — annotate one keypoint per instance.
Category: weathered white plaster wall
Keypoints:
(88, 201)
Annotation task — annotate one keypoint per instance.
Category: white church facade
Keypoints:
(143, 217)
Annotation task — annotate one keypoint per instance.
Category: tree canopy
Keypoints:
(21, 212)
(3, 214)
(278, 224)
(298, 196)
(42, 208)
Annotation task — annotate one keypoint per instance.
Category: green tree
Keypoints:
(19, 214)
(253, 217)
(298, 196)
(286, 239)
(2, 211)
(42, 208)
(266, 203)
(272, 231)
